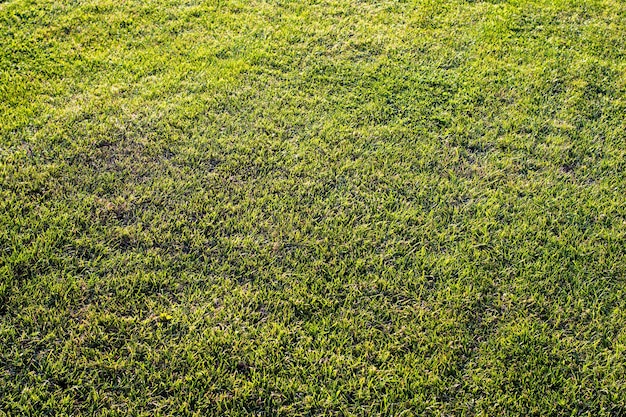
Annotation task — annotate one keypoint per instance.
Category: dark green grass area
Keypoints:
(316, 207)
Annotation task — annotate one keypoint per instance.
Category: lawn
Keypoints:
(312, 207)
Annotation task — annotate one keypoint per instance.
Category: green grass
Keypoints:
(312, 207)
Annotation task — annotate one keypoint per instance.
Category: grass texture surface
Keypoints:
(314, 207)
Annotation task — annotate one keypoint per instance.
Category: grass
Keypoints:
(317, 207)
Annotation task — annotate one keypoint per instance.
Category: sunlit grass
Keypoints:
(312, 208)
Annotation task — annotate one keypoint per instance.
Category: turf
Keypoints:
(313, 207)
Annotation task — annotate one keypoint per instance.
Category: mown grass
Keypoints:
(318, 207)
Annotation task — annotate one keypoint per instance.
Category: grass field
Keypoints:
(313, 207)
